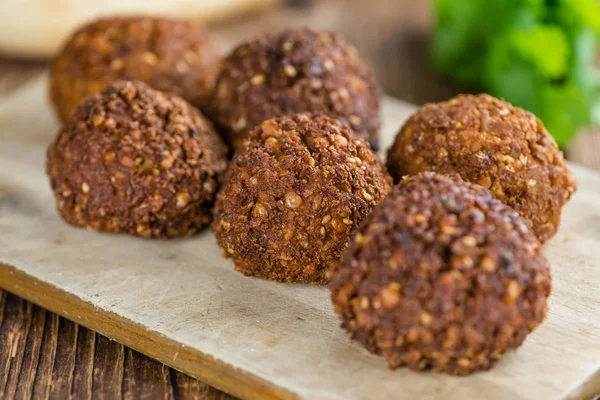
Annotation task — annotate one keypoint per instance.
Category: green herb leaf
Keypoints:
(588, 11)
(537, 54)
(533, 46)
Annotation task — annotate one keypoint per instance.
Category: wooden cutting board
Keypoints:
(181, 303)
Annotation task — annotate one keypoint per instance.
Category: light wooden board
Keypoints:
(180, 302)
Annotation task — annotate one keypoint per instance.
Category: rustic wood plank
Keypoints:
(43, 381)
(145, 378)
(66, 347)
(109, 357)
(185, 387)
(60, 359)
(3, 296)
(13, 333)
(4, 353)
(31, 357)
(84, 365)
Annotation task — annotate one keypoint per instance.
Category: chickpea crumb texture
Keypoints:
(134, 160)
(441, 276)
(169, 55)
(293, 195)
(491, 143)
(293, 72)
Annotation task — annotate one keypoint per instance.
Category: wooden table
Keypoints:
(43, 355)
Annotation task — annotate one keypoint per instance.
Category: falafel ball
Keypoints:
(293, 72)
(441, 275)
(169, 55)
(293, 195)
(135, 160)
(489, 142)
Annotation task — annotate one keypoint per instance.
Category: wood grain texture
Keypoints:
(90, 366)
(109, 361)
(137, 371)
(181, 303)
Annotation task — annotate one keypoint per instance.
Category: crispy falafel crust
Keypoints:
(169, 55)
(134, 160)
(293, 195)
(489, 142)
(293, 72)
(441, 275)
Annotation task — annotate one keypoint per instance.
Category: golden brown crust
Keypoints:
(441, 275)
(134, 160)
(489, 142)
(170, 55)
(293, 195)
(292, 72)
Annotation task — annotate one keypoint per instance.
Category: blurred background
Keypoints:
(538, 54)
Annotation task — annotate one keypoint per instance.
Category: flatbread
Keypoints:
(37, 28)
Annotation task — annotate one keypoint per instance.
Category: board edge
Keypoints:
(223, 376)
(589, 389)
